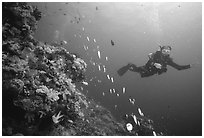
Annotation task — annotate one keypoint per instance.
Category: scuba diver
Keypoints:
(157, 64)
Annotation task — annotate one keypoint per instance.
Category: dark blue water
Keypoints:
(172, 100)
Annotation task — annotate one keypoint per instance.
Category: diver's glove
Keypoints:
(157, 65)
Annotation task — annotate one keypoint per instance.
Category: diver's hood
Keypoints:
(165, 47)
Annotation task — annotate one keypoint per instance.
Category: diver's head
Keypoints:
(166, 50)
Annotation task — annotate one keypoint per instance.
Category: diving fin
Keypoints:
(123, 70)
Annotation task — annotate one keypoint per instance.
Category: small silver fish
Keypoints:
(108, 77)
(112, 79)
(99, 54)
(123, 89)
(87, 38)
(94, 40)
(99, 67)
(140, 112)
(106, 58)
(104, 68)
(110, 90)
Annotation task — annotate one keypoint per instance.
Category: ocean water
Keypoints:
(172, 100)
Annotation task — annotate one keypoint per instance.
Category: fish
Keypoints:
(82, 28)
(118, 94)
(110, 90)
(113, 90)
(99, 54)
(112, 43)
(94, 40)
(87, 38)
(70, 121)
(112, 79)
(104, 68)
(135, 119)
(154, 133)
(99, 67)
(108, 77)
(85, 83)
(132, 101)
(85, 47)
(103, 93)
(63, 42)
(138, 123)
(140, 112)
(91, 79)
(106, 58)
(123, 89)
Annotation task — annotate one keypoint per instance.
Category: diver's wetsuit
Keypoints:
(149, 69)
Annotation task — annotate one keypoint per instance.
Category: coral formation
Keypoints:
(38, 84)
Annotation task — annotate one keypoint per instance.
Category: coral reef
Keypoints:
(38, 84)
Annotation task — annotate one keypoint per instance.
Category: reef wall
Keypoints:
(39, 95)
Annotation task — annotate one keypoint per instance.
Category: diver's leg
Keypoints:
(134, 68)
(123, 70)
(127, 67)
(142, 70)
(145, 74)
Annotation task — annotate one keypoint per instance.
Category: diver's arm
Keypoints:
(178, 67)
